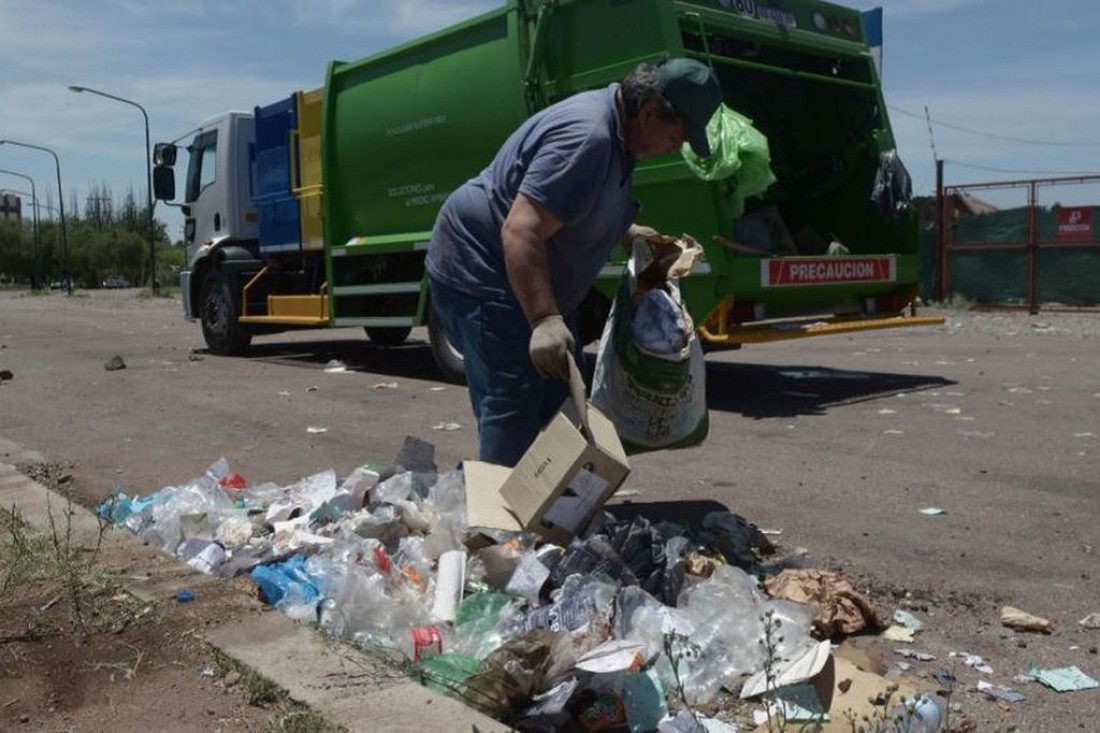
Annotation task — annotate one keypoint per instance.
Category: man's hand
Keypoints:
(551, 344)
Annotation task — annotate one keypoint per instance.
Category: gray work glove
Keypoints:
(551, 344)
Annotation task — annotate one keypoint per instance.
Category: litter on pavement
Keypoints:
(621, 621)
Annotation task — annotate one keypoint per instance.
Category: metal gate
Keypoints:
(1034, 251)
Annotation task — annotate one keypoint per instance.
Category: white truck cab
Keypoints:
(217, 192)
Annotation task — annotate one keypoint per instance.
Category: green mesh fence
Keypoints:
(1065, 275)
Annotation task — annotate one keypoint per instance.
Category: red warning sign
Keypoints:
(826, 270)
(1075, 222)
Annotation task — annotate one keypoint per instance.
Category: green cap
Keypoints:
(694, 92)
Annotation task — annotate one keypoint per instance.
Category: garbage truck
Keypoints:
(315, 210)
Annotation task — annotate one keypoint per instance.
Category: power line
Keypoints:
(1013, 170)
(960, 128)
(931, 137)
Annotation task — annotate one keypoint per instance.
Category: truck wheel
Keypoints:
(224, 334)
(387, 336)
(447, 356)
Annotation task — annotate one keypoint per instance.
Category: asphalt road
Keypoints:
(838, 442)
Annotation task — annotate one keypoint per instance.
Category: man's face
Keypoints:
(656, 136)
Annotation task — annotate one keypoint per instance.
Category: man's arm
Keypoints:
(525, 232)
(526, 229)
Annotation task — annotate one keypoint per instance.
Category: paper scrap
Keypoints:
(384, 385)
(800, 703)
(448, 426)
(908, 620)
(900, 634)
(974, 661)
(616, 655)
(932, 511)
(1000, 693)
(1092, 621)
(315, 429)
(1063, 679)
(799, 668)
(528, 577)
(911, 654)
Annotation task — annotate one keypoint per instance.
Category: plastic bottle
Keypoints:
(726, 611)
(922, 715)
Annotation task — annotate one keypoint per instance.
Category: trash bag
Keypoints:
(656, 396)
(892, 188)
(737, 150)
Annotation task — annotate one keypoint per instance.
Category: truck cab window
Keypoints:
(202, 168)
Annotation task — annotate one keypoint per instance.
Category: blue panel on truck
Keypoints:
(280, 219)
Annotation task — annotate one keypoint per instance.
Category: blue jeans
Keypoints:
(511, 401)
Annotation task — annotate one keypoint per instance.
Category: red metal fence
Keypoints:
(1027, 256)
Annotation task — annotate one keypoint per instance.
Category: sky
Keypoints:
(1009, 85)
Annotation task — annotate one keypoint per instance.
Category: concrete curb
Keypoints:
(344, 685)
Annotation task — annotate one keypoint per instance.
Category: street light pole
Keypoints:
(148, 183)
(36, 279)
(60, 203)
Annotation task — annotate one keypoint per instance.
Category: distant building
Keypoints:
(958, 204)
(11, 207)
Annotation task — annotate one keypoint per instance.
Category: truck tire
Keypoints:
(224, 334)
(447, 356)
(387, 336)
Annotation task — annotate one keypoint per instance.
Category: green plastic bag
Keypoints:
(736, 149)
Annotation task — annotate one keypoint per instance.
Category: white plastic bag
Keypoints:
(655, 396)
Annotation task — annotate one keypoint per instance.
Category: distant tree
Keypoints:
(131, 218)
(16, 251)
(99, 207)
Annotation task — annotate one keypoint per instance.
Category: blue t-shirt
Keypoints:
(569, 157)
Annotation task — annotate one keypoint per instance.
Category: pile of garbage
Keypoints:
(610, 631)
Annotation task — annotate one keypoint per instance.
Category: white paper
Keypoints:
(582, 495)
(448, 584)
(798, 669)
(528, 577)
(616, 655)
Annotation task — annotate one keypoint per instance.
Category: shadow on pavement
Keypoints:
(753, 390)
(768, 390)
(411, 360)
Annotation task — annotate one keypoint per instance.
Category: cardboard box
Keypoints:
(559, 484)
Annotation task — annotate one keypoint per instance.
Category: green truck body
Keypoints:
(390, 136)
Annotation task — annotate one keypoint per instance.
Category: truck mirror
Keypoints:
(164, 183)
(164, 154)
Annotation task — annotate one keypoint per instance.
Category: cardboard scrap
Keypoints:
(662, 258)
(557, 487)
(1014, 618)
(856, 690)
(840, 609)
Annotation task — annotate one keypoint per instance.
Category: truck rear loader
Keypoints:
(315, 211)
